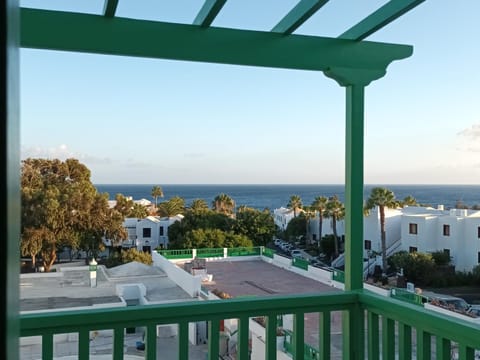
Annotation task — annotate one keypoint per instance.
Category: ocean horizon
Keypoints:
(272, 196)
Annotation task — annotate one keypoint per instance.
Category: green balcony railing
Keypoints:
(404, 295)
(268, 252)
(210, 253)
(244, 251)
(386, 328)
(176, 254)
(339, 275)
(300, 263)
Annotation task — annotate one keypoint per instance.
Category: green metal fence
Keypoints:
(210, 253)
(244, 251)
(176, 254)
(404, 295)
(300, 263)
(389, 321)
(268, 252)
(339, 275)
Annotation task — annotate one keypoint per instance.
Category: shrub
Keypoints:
(126, 256)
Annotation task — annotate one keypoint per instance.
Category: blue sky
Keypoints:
(150, 121)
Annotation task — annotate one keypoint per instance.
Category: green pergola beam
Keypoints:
(208, 12)
(298, 15)
(380, 18)
(109, 8)
(55, 30)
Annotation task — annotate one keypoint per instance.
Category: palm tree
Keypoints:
(223, 204)
(172, 207)
(409, 201)
(336, 211)
(295, 203)
(320, 204)
(309, 213)
(198, 205)
(157, 192)
(382, 197)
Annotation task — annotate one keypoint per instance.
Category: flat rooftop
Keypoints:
(257, 277)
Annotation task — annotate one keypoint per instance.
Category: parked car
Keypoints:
(474, 310)
(296, 253)
(447, 301)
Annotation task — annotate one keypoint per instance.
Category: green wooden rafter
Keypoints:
(298, 15)
(208, 12)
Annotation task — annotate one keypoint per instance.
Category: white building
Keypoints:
(148, 233)
(455, 231)
(282, 217)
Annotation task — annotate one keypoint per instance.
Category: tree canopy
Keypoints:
(295, 203)
(61, 208)
(223, 204)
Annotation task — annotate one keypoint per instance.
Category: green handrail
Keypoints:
(244, 251)
(210, 253)
(404, 295)
(339, 275)
(268, 252)
(176, 254)
(300, 263)
(398, 321)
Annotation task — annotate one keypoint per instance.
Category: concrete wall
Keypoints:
(190, 284)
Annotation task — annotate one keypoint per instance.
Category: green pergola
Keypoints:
(348, 59)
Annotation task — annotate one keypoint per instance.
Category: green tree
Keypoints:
(157, 192)
(123, 205)
(32, 242)
(215, 238)
(295, 203)
(327, 246)
(296, 228)
(335, 210)
(319, 204)
(138, 211)
(172, 207)
(198, 205)
(409, 201)
(417, 267)
(223, 204)
(383, 198)
(257, 225)
(61, 205)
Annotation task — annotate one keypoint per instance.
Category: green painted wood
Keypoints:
(298, 15)
(353, 331)
(380, 18)
(183, 341)
(84, 344)
(271, 338)
(324, 337)
(151, 341)
(443, 348)
(457, 330)
(424, 345)
(243, 351)
(47, 346)
(213, 339)
(54, 30)
(388, 338)
(109, 8)
(466, 353)
(298, 336)
(10, 172)
(118, 342)
(373, 336)
(354, 187)
(208, 12)
(404, 342)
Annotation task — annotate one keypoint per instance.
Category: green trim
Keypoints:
(208, 12)
(300, 263)
(298, 15)
(55, 30)
(109, 8)
(380, 18)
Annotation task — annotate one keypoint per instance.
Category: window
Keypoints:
(368, 245)
(412, 228)
(446, 230)
(478, 230)
(161, 230)
(147, 232)
(412, 249)
(447, 252)
(478, 257)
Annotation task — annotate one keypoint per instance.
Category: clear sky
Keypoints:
(134, 120)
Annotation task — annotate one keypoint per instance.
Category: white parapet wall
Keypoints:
(189, 283)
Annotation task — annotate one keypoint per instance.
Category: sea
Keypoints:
(275, 196)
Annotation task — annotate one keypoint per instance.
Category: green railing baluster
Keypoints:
(404, 342)
(213, 339)
(324, 319)
(443, 348)
(183, 340)
(353, 329)
(424, 345)
(373, 336)
(242, 343)
(388, 338)
(465, 352)
(151, 342)
(47, 346)
(298, 336)
(118, 343)
(84, 344)
(271, 338)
